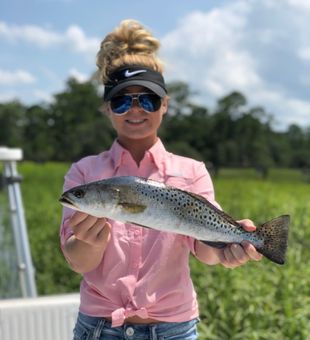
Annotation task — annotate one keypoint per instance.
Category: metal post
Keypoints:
(11, 181)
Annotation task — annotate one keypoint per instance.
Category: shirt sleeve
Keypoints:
(203, 186)
(73, 178)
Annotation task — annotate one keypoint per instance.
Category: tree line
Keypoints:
(230, 135)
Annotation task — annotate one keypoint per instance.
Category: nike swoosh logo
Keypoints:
(130, 74)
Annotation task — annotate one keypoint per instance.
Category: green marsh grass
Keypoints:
(256, 301)
(260, 300)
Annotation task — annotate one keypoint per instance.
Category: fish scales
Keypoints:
(154, 205)
(186, 212)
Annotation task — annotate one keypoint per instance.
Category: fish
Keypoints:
(154, 205)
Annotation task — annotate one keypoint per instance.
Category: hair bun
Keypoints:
(136, 39)
(129, 43)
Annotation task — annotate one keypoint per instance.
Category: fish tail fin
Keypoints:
(275, 235)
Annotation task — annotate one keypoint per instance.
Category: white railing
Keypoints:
(42, 318)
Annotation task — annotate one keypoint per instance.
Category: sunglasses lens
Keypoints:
(149, 102)
(121, 104)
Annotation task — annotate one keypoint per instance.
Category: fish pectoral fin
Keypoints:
(132, 207)
(218, 245)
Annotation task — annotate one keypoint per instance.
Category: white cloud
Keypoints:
(8, 97)
(258, 47)
(80, 77)
(43, 96)
(300, 4)
(16, 77)
(304, 53)
(290, 110)
(29, 33)
(73, 38)
(207, 48)
(79, 42)
(232, 70)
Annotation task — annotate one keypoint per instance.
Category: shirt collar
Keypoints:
(157, 152)
(116, 153)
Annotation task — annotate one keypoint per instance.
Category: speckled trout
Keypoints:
(152, 204)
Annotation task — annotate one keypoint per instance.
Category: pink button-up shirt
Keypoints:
(143, 272)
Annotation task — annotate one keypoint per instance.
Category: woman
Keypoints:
(136, 281)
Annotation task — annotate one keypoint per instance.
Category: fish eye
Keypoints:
(79, 193)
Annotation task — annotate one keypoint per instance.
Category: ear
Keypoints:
(105, 109)
(164, 106)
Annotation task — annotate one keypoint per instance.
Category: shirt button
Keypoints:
(130, 331)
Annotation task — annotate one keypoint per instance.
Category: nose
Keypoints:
(135, 104)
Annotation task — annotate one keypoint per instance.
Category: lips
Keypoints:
(135, 121)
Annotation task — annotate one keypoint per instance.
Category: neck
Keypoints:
(137, 147)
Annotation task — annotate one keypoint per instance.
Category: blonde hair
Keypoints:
(128, 44)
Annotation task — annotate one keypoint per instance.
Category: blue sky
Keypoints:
(259, 47)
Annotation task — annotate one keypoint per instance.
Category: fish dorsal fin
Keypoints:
(212, 206)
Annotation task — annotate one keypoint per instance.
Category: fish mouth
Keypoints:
(66, 202)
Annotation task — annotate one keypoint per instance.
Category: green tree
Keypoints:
(37, 132)
(232, 135)
(297, 140)
(179, 94)
(12, 121)
(185, 126)
(252, 138)
(79, 128)
(222, 124)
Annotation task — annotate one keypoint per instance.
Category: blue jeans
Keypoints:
(95, 328)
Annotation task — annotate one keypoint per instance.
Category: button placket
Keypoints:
(135, 250)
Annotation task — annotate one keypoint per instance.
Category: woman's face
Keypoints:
(137, 124)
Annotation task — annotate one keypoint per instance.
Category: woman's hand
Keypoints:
(85, 248)
(235, 255)
(89, 229)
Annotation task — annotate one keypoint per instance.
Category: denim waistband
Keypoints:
(102, 328)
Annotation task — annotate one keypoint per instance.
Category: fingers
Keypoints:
(235, 255)
(250, 250)
(77, 217)
(83, 227)
(104, 233)
(247, 225)
(96, 233)
(90, 229)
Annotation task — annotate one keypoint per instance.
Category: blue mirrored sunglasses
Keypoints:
(149, 102)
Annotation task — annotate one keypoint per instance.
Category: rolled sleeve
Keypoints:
(191, 244)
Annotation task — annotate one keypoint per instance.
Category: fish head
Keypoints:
(96, 199)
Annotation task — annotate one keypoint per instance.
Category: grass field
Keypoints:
(257, 301)
(260, 300)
